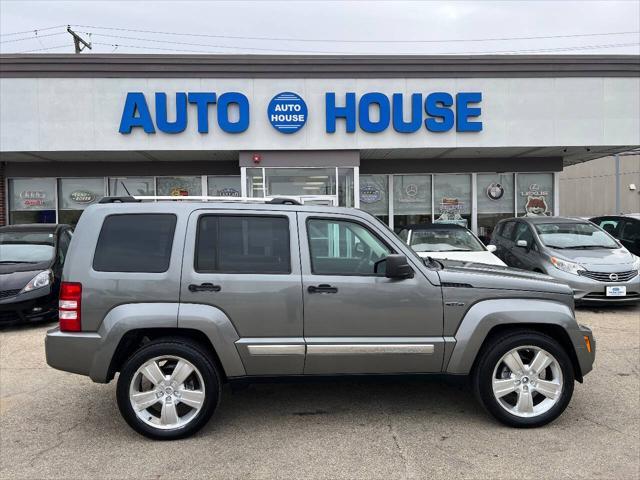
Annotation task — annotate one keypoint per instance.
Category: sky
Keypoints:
(323, 27)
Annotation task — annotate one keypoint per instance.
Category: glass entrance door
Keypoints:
(309, 185)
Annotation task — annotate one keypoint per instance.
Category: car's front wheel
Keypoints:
(524, 379)
(168, 390)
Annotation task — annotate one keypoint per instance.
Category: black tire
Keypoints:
(188, 351)
(490, 355)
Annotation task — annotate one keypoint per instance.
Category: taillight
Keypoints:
(69, 306)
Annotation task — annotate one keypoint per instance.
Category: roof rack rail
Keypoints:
(202, 198)
(118, 200)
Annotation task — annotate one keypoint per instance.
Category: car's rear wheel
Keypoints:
(524, 379)
(168, 390)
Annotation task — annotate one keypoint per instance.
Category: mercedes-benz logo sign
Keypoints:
(613, 277)
(495, 191)
(411, 190)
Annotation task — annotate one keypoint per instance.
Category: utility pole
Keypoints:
(78, 41)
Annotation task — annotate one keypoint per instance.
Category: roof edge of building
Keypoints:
(315, 66)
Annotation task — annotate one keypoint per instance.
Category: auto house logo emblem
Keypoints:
(613, 277)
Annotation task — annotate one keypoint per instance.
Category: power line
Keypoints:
(542, 50)
(33, 37)
(324, 40)
(31, 31)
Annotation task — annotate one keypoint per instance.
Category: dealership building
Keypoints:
(411, 139)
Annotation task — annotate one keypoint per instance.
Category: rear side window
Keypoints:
(135, 243)
(243, 244)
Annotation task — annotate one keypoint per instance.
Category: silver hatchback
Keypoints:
(596, 266)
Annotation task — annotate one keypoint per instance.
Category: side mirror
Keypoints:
(522, 243)
(492, 248)
(397, 266)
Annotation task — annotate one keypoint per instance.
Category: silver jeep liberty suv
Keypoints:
(180, 297)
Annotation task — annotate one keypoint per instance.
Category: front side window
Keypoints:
(340, 247)
(523, 232)
(26, 247)
(574, 236)
(243, 244)
(507, 230)
(445, 240)
(135, 243)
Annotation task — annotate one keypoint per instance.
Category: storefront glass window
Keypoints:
(411, 200)
(300, 181)
(534, 194)
(374, 195)
(179, 186)
(255, 182)
(452, 199)
(224, 186)
(76, 194)
(32, 200)
(345, 187)
(131, 186)
(495, 197)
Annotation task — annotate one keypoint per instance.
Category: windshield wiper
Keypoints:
(4, 262)
(584, 247)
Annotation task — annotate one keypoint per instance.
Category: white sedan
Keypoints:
(448, 241)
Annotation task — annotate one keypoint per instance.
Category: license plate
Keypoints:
(616, 291)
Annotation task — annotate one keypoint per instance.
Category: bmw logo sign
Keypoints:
(495, 191)
(287, 112)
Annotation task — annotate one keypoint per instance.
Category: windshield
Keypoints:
(445, 240)
(574, 235)
(26, 247)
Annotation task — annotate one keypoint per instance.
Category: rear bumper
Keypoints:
(72, 352)
(585, 357)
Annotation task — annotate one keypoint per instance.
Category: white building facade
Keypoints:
(469, 140)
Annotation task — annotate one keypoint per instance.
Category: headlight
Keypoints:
(42, 279)
(569, 267)
(636, 263)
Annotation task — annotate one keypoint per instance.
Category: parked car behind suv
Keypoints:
(180, 297)
(31, 261)
(576, 251)
(448, 241)
(625, 228)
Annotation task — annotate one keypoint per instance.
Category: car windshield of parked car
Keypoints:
(26, 247)
(445, 240)
(574, 236)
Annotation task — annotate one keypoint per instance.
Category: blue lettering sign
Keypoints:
(162, 122)
(437, 106)
(224, 123)
(464, 111)
(399, 125)
(287, 112)
(384, 109)
(136, 103)
(348, 112)
(202, 100)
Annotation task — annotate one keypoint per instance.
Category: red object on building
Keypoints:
(257, 158)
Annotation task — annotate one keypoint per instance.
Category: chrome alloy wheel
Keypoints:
(527, 381)
(167, 392)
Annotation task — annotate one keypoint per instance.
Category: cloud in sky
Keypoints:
(349, 27)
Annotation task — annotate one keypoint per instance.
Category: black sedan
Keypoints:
(31, 261)
(626, 228)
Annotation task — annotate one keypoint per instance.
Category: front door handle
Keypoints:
(324, 288)
(204, 287)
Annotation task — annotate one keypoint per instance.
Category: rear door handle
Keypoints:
(204, 287)
(324, 288)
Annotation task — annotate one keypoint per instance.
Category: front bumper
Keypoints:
(35, 306)
(587, 290)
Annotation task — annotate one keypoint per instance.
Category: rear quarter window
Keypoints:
(135, 243)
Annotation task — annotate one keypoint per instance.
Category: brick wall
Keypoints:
(3, 207)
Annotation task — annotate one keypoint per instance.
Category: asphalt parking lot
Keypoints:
(58, 425)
